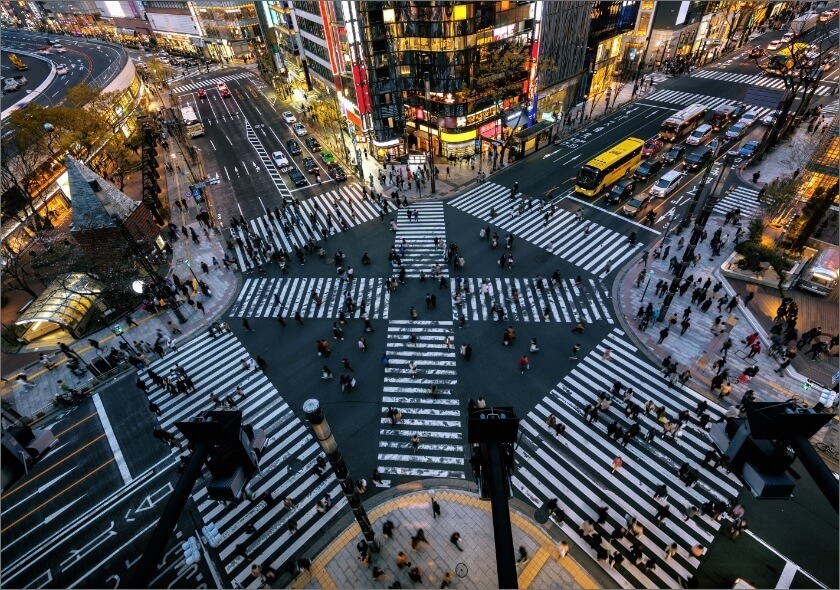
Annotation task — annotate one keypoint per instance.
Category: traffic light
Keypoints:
(788, 81)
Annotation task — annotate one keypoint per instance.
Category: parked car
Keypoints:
(312, 144)
(748, 149)
(327, 157)
(310, 165)
(647, 169)
(293, 147)
(635, 205)
(223, 89)
(299, 129)
(674, 155)
(749, 118)
(337, 173)
(297, 178)
(756, 52)
(289, 117)
(736, 131)
(202, 93)
(62, 70)
(281, 161)
(666, 184)
(621, 190)
(652, 147)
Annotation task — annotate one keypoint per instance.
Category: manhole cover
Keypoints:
(461, 570)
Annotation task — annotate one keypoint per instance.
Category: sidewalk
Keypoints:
(338, 565)
(699, 348)
(35, 401)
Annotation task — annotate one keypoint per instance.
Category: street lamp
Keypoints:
(321, 429)
(118, 331)
(432, 496)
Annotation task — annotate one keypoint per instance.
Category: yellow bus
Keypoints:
(604, 169)
(16, 61)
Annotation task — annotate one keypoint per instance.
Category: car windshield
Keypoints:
(588, 177)
(634, 202)
(662, 183)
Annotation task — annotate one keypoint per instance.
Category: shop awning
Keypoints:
(66, 302)
(533, 130)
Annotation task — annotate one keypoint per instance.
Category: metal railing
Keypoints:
(102, 80)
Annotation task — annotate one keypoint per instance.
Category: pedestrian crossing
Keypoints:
(438, 422)
(742, 197)
(575, 467)
(591, 247)
(210, 82)
(830, 109)
(687, 98)
(415, 239)
(286, 464)
(565, 303)
(264, 298)
(293, 227)
(754, 80)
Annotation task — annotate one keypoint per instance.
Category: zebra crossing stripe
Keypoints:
(602, 249)
(741, 197)
(420, 253)
(210, 83)
(566, 303)
(753, 79)
(438, 422)
(550, 466)
(290, 444)
(686, 98)
(290, 230)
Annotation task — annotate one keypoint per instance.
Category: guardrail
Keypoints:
(102, 80)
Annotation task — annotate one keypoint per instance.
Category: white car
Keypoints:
(10, 85)
(280, 161)
(59, 49)
(749, 118)
(62, 70)
(289, 117)
(299, 129)
(770, 119)
(787, 37)
(774, 45)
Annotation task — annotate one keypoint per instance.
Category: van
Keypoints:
(698, 158)
(700, 135)
(821, 274)
(667, 183)
(723, 116)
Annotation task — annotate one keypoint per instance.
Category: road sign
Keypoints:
(477, 143)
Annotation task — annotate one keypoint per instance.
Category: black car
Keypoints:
(621, 190)
(298, 178)
(674, 155)
(313, 144)
(337, 173)
(698, 158)
(310, 165)
(647, 169)
(294, 147)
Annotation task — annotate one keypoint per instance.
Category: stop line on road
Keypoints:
(567, 303)
(257, 297)
(437, 421)
(599, 250)
(575, 467)
(286, 464)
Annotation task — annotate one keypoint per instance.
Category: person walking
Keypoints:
(247, 325)
(94, 344)
(663, 334)
(616, 464)
(298, 318)
(155, 409)
(524, 364)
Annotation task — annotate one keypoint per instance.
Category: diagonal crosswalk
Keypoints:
(575, 467)
(560, 233)
(210, 82)
(331, 211)
(754, 80)
(742, 197)
(415, 238)
(438, 422)
(565, 303)
(263, 297)
(286, 465)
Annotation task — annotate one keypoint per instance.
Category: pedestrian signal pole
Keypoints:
(322, 432)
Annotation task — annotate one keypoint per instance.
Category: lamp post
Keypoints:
(432, 496)
(322, 432)
(118, 331)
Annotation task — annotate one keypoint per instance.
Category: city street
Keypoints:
(426, 345)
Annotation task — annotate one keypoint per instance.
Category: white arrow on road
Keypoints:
(550, 154)
(77, 554)
(671, 212)
(39, 490)
(155, 497)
